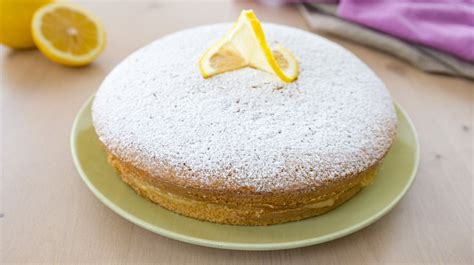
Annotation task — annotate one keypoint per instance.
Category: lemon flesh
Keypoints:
(15, 22)
(67, 34)
(245, 45)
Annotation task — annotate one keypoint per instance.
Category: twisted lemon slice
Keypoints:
(245, 46)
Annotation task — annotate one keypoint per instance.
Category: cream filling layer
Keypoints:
(182, 200)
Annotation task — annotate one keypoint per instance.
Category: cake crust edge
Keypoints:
(241, 207)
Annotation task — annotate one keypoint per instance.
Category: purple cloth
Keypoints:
(444, 25)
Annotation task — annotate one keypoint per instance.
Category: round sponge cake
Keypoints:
(243, 147)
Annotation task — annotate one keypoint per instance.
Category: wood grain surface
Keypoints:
(47, 214)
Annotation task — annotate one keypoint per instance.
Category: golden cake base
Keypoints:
(240, 208)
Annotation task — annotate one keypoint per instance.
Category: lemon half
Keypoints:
(68, 34)
(245, 45)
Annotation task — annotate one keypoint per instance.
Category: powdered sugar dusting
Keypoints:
(245, 128)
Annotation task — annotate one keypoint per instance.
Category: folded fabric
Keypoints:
(323, 17)
(444, 25)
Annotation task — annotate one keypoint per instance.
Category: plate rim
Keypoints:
(234, 245)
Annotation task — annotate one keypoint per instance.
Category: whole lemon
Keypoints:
(15, 22)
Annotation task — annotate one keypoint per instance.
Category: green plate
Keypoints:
(395, 177)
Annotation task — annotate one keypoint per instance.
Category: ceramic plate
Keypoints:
(394, 179)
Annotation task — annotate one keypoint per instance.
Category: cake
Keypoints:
(242, 147)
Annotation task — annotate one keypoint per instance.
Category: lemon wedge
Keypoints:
(245, 45)
(68, 34)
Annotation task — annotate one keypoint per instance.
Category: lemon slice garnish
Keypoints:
(67, 34)
(245, 45)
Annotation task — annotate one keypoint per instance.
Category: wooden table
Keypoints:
(48, 214)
